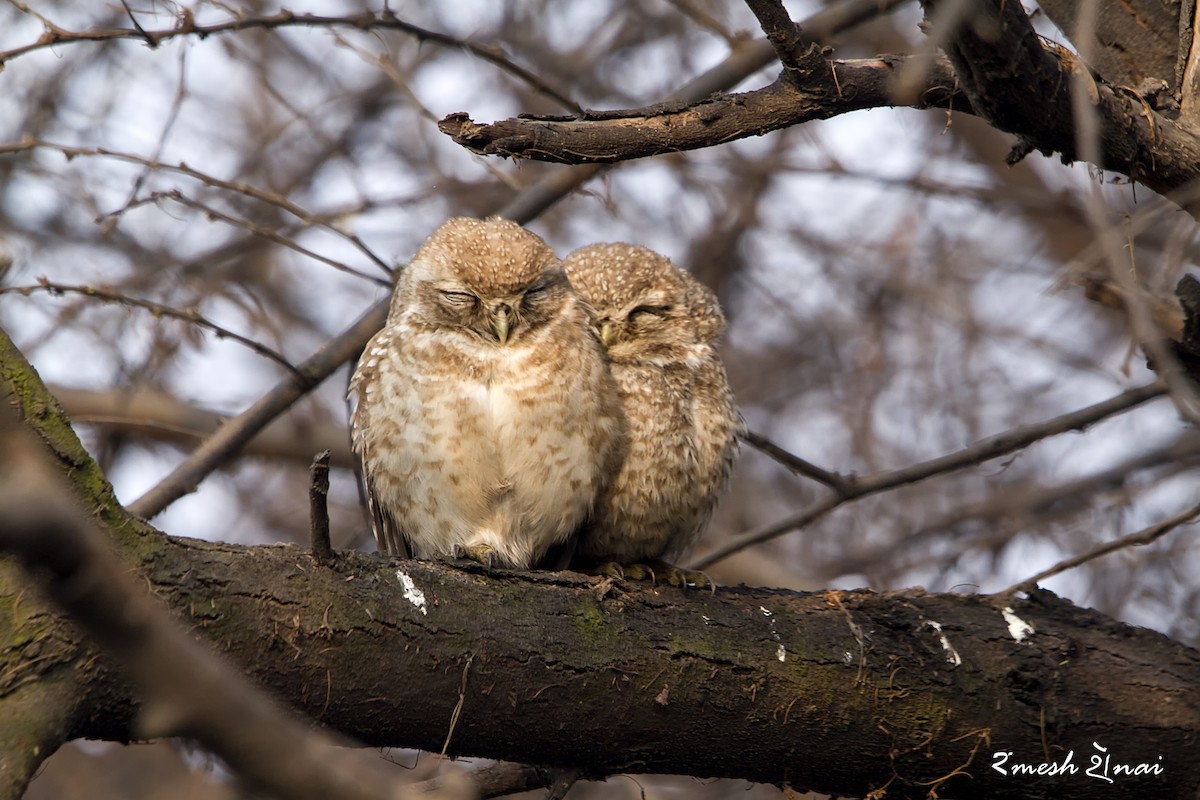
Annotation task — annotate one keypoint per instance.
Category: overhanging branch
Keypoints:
(611, 136)
(997, 68)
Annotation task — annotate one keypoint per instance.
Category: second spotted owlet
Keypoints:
(487, 422)
(660, 327)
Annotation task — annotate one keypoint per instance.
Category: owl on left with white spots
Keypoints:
(487, 422)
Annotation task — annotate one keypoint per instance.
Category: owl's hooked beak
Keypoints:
(499, 318)
(608, 332)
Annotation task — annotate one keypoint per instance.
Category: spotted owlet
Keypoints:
(660, 328)
(486, 420)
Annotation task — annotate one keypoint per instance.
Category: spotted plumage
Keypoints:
(660, 327)
(487, 421)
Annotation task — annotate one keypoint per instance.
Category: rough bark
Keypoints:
(846, 692)
(1138, 39)
(840, 692)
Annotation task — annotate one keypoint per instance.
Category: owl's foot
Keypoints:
(657, 570)
(479, 553)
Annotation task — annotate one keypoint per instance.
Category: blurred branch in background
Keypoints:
(852, 487)
(158, 415)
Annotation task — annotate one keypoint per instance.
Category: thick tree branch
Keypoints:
(37, 705)
(611, 136)
(1002, 71)
(846, 692)
(1022, 85)
(842, 692)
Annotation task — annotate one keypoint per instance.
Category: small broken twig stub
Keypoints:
(318, 504)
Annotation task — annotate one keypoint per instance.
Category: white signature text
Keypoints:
(1101, 765)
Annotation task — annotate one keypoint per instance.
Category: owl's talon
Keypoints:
(641, 572)
(670, 574)
(693, 578)
(483, 554)
(612, 570)
(686, 578)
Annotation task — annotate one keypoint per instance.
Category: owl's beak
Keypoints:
(500, 316)
(608, 333)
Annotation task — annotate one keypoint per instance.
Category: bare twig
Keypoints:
(168, 124)
(190, 315)
(238, 187)
(1064, 498)
(186, 689)
(137, 26)
(232, 436)
(185, 25)
(795, 463)
(984, 450)
(318, 503)
(782, 33)
(1136, 539)
(259, 231)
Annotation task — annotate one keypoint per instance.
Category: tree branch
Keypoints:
(1022, 85)
(774, 686)
(786, 38)
(233, 435)
(189, 315)
(186, 25)
(1001, 71)
(611, 136)
(850, 487)
(37, 708)
(318, 509)
(1136, 539)
(158, 415)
